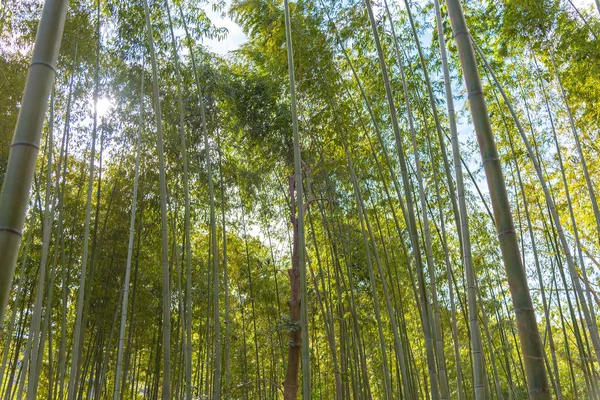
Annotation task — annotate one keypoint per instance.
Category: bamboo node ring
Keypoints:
(488, 159)
(506, 232)
(29, 144)
(521, 309)
(11, 230)
(43, 63)
(461, 32)
(534, 357)
(474, 92)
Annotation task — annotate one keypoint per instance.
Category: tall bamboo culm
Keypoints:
(462, 208)
(187, 257)
(116, 394)
(411, 221)
(166, 290)
(525, 315)
(26, 140)
(306, 390)
(75, 360)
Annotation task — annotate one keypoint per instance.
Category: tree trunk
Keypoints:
(299, 220)
(290, 384)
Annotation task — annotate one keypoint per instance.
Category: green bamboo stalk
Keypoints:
(436, 119)
(226, 284)
(425, 316)
(361, 215)
(117, 389)
(465, 236)
(26, 140)
(166, 305)
(306, 377)
(75, 360)
(187, 248)
(34, 329)
(528, 329)
(188, 297)
(63, 336)
(215, 259)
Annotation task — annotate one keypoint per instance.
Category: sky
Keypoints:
(235, 36)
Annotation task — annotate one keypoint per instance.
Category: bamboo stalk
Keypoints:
(26, 140)
(306, 377)
(117, 389)
(528, 329)
(166, 290)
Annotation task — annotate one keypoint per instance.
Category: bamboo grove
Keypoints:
(365, 200)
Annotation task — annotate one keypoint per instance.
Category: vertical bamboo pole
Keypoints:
(306, 384)
(116, 394)
(26, 140)
(166, 290)
(528, 329)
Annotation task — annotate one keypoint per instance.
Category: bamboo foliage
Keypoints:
(407, 298)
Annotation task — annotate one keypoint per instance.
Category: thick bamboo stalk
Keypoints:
(26, 140)
(34, 329)
(528, 329)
